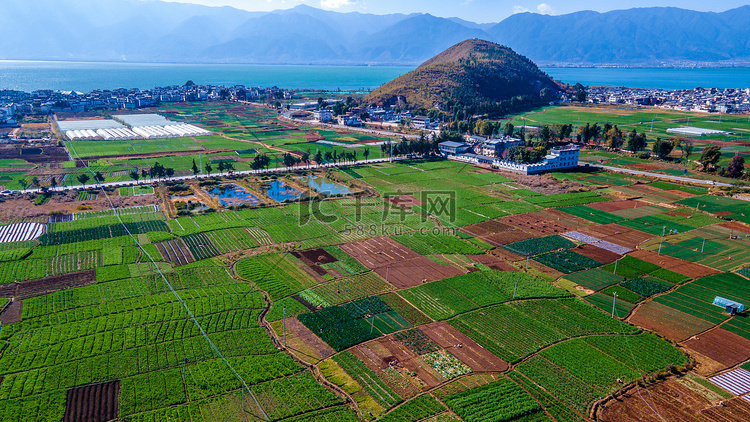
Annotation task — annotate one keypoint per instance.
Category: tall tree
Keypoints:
(53, 182)
(736, 166)
(208, 168)
(318, 158)
(366, 153)
(662, 148)
(710, 156)
(195, 168)
(508, 129)
(135, 175)
(83, 178)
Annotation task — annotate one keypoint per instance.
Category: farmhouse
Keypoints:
(452, 148)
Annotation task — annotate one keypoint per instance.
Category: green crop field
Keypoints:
(181, 308)
(456, 295)
(518, 329)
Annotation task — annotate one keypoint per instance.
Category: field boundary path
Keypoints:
(656, 175)
(225, 174)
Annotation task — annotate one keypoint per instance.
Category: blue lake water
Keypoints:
(654, 78)
(279, 191)
(85, 77)
(325, 186)
(232, 195)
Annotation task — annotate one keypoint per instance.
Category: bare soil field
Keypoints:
(667, 322)
(486, 228)
(677, 265)
(398, 264)
(617, 234)
(537, 223)
(43, 286)
(92, 403)
(12, 313)
(403, 385)
(493, 262)
(462, 347)
(175, 251)
(722, 346)
(674, 401)
(302, 341)
(596, 253)
(736, 226)
(392, 352)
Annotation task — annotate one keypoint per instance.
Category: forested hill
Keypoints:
(472, 72)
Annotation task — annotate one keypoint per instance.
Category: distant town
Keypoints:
(707, 100)
(17, 103)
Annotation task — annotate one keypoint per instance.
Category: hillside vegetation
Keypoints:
(471, 72)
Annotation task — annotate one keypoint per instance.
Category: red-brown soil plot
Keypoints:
(597, 254)
(493, 262)
(674, 401)
(617, 205)
(12, 313)
(736, 226)
(398, 264)
(92, 403)
(539, 223)
(462, 347)
(496, 233)
(619, 235)
(175, 251)
(669, 323)
(303, 342)
(722, 346)
(677, 265)
(43, 286)
(387, 351)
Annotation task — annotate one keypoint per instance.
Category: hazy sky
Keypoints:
(474, 10)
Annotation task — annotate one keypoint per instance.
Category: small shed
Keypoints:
(731, 307)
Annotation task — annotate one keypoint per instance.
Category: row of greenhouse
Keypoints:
(145, 132)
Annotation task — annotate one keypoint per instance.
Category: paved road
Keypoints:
(287, 116)
(205, 176)
(657, 175)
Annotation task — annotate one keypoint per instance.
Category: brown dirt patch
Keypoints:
(493, 262)
(596, 253)
(505, 238)
(93, 403)
(617, 234)
(617, 205)
(315, 257)
(463, 348)
(12, 312)
(677, 265)
(667, 322)
(537, 223)
(405, 201)
(398, 264)
(43, 286)
(175, 251)
(372, 354)
(302, 341)
(674, 401)
(486, 228)
(736, 226)
(389, 349)
(724, 347)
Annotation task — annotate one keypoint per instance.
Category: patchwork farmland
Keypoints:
(525, 305)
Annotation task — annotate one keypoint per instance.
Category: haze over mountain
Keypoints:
(136, 31)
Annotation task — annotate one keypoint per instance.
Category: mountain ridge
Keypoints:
(160, 32)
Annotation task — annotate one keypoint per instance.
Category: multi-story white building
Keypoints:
(323, 115)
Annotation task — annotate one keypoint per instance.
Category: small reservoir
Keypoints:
(325, 186)
(279, 191)
(231, 195)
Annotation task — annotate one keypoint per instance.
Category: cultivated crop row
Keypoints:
(501, 401)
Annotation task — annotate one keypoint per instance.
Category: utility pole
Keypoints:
(662, 238)
(616, 261)
(614, 300)
(515, 288)
(704, 244)
(284, 324)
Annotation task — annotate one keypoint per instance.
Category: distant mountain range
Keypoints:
(154, 31)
